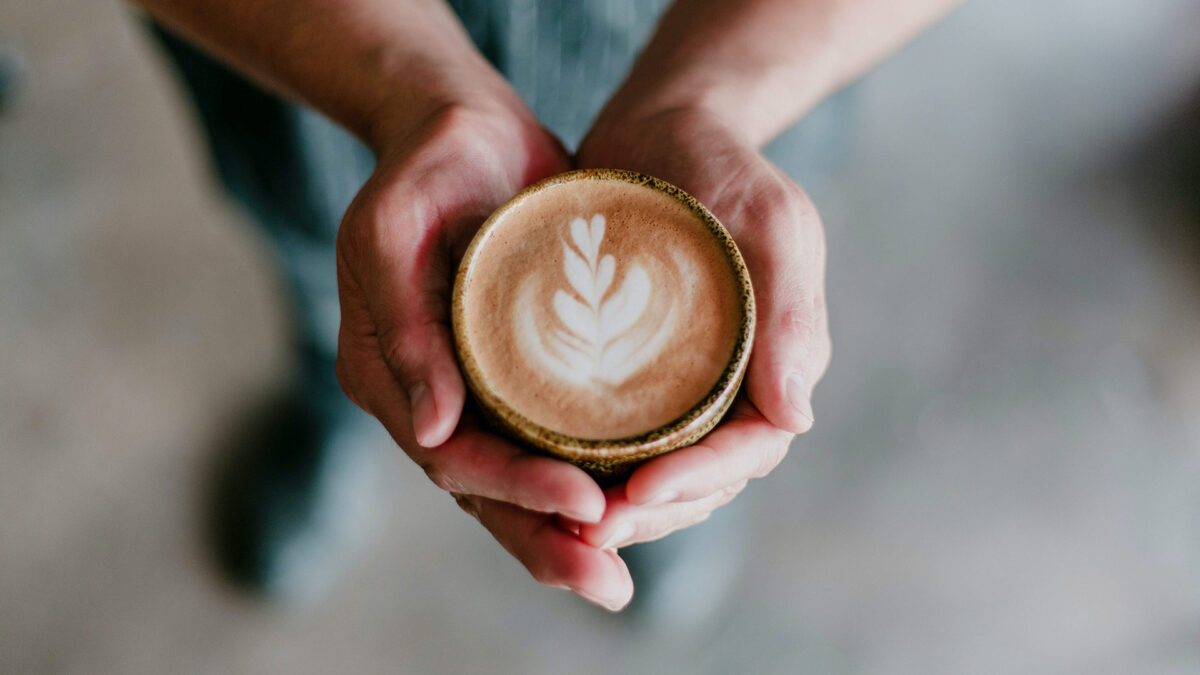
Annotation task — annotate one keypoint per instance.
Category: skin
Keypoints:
(454, 141)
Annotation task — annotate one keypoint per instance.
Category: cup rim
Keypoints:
(585, 449)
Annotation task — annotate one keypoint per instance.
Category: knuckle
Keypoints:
(467, 132)
(396, 348)
(803, 208)
(734, 490)
(442, 478)
(637, 533)
(774, 213)
(770, 459)
(357, 234)
(407, 343)
(454, 123)
(404, 347)
(550, 570)
(800, 318)
(785, 205)
(545, 575)
(792, 302)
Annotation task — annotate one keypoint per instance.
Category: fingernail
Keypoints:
(610, 605)
(798, 396)
(423, 412)
(662, 498)
(623, 532)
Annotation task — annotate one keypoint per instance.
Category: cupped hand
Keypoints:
(781, 238)
(397, 251)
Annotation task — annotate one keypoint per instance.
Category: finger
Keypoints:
(626, 523)
(786, 258)
(393, 256)
(745, 445)
(472, 460)
(554, 556)
(363, 375)
(476, 462)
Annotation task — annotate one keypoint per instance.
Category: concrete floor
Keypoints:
(1005, 472)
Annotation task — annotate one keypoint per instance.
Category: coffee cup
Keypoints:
(603, 317)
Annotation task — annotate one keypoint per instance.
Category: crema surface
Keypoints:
(601, 309)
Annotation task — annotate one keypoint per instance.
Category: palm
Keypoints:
(397, 250)
(780, 236)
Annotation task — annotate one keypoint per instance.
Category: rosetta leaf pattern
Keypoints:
(592, 339)
(608, 323)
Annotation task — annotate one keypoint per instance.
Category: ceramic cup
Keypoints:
(581, 248)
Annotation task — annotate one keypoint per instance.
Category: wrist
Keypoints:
(649, 98)
(636, 137)
(429, 91)
(490, 135)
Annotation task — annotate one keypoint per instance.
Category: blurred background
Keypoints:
(1005, 472)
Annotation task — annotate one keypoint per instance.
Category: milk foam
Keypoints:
(601, 337)
(601, 309)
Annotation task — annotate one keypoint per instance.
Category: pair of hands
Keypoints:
(398, 248)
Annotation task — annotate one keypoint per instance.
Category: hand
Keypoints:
(780, 235)
(397, 251)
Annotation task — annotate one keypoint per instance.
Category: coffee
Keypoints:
(603, 307)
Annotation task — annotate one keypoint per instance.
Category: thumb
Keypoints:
(792, 345)
(419, 353)
(405, 286)
(791, 353)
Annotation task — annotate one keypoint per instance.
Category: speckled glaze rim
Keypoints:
(610, 456)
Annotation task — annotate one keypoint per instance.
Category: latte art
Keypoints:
(598, 309)
(600, 336)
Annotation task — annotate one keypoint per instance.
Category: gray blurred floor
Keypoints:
(1005, 473)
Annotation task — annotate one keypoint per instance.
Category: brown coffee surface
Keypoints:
(601, 309)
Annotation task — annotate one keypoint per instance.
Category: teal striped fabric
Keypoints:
(565, 57)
